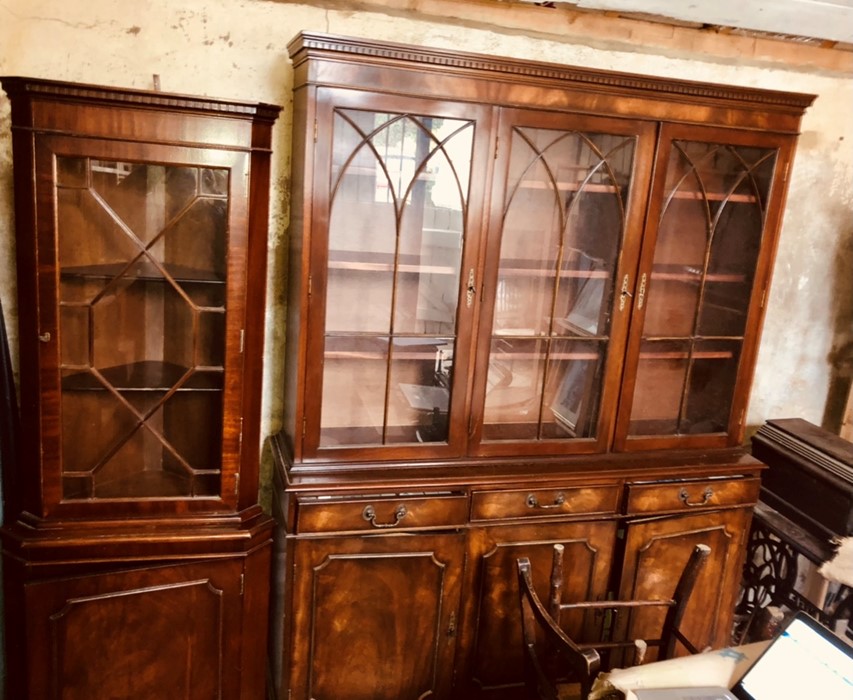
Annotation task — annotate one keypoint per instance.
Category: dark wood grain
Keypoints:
(136, 559)
(627, 494)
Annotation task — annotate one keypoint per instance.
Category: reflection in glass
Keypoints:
(142, 257)
(398, 198)
(563, 226)
(698, 296)
(518, 408)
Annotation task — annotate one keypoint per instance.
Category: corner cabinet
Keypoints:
(524, 306)
(135, 556)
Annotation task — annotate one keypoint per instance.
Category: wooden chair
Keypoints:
(551, 657)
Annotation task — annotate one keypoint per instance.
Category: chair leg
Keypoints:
(697, 560)
(640, 648)
(555, 593)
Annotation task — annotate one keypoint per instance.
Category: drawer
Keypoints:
(691, 495)
(380, 513)
(540, 503)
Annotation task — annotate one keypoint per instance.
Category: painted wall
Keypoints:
(237, 49)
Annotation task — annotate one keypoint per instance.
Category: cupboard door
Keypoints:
(656, 551)
(136, 321)
(492, 632)
(170, 632)
(376, 617)
(567, 213)
(705, 267)
(397, 197)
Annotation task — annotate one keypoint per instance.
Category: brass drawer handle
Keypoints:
(369, 514)
(533, 502)
(683, 496)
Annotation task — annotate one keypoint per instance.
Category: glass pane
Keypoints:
(735, 248)
(355, 379)
(514, 389)
(74, 319)
(398, 192)
(659, 387)
(98, 241)
(431, 231)
(362, 229)
(571, 401)
(419, 405)
(194, 242)
(142, 257)
(516, 407)
(563, 227)
(698, 296)
(710, 386)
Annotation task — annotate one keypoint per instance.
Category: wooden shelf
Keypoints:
(652, 427)
(143, 271)
(507, 356)
(682, 273)
(385, 267)
(611, 189)
(144, 484)
(367, 355)
(144, 376)
(675, 355)
(549, 273)
(568, 187)
(384, 262)
(715, 197)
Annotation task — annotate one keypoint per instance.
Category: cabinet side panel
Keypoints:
(256, 621)
(22, 483)
(258, 225)
(297, 264)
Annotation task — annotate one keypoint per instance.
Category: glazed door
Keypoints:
(494, 666)
(141, 311)
(166, 632)
(566, 217)
(376, 617)
(708, 249)
(398, 190)
(656, 550)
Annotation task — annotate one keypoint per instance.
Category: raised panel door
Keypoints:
(656, 550)
(494, 666)
(163, 632)
(376, 617)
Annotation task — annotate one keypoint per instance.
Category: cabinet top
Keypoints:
(75, 109)
(35, 88)
(454, 64)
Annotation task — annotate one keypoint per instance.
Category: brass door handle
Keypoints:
(624, 293)
(642, 295)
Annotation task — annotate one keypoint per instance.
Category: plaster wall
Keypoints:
(237, 49)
